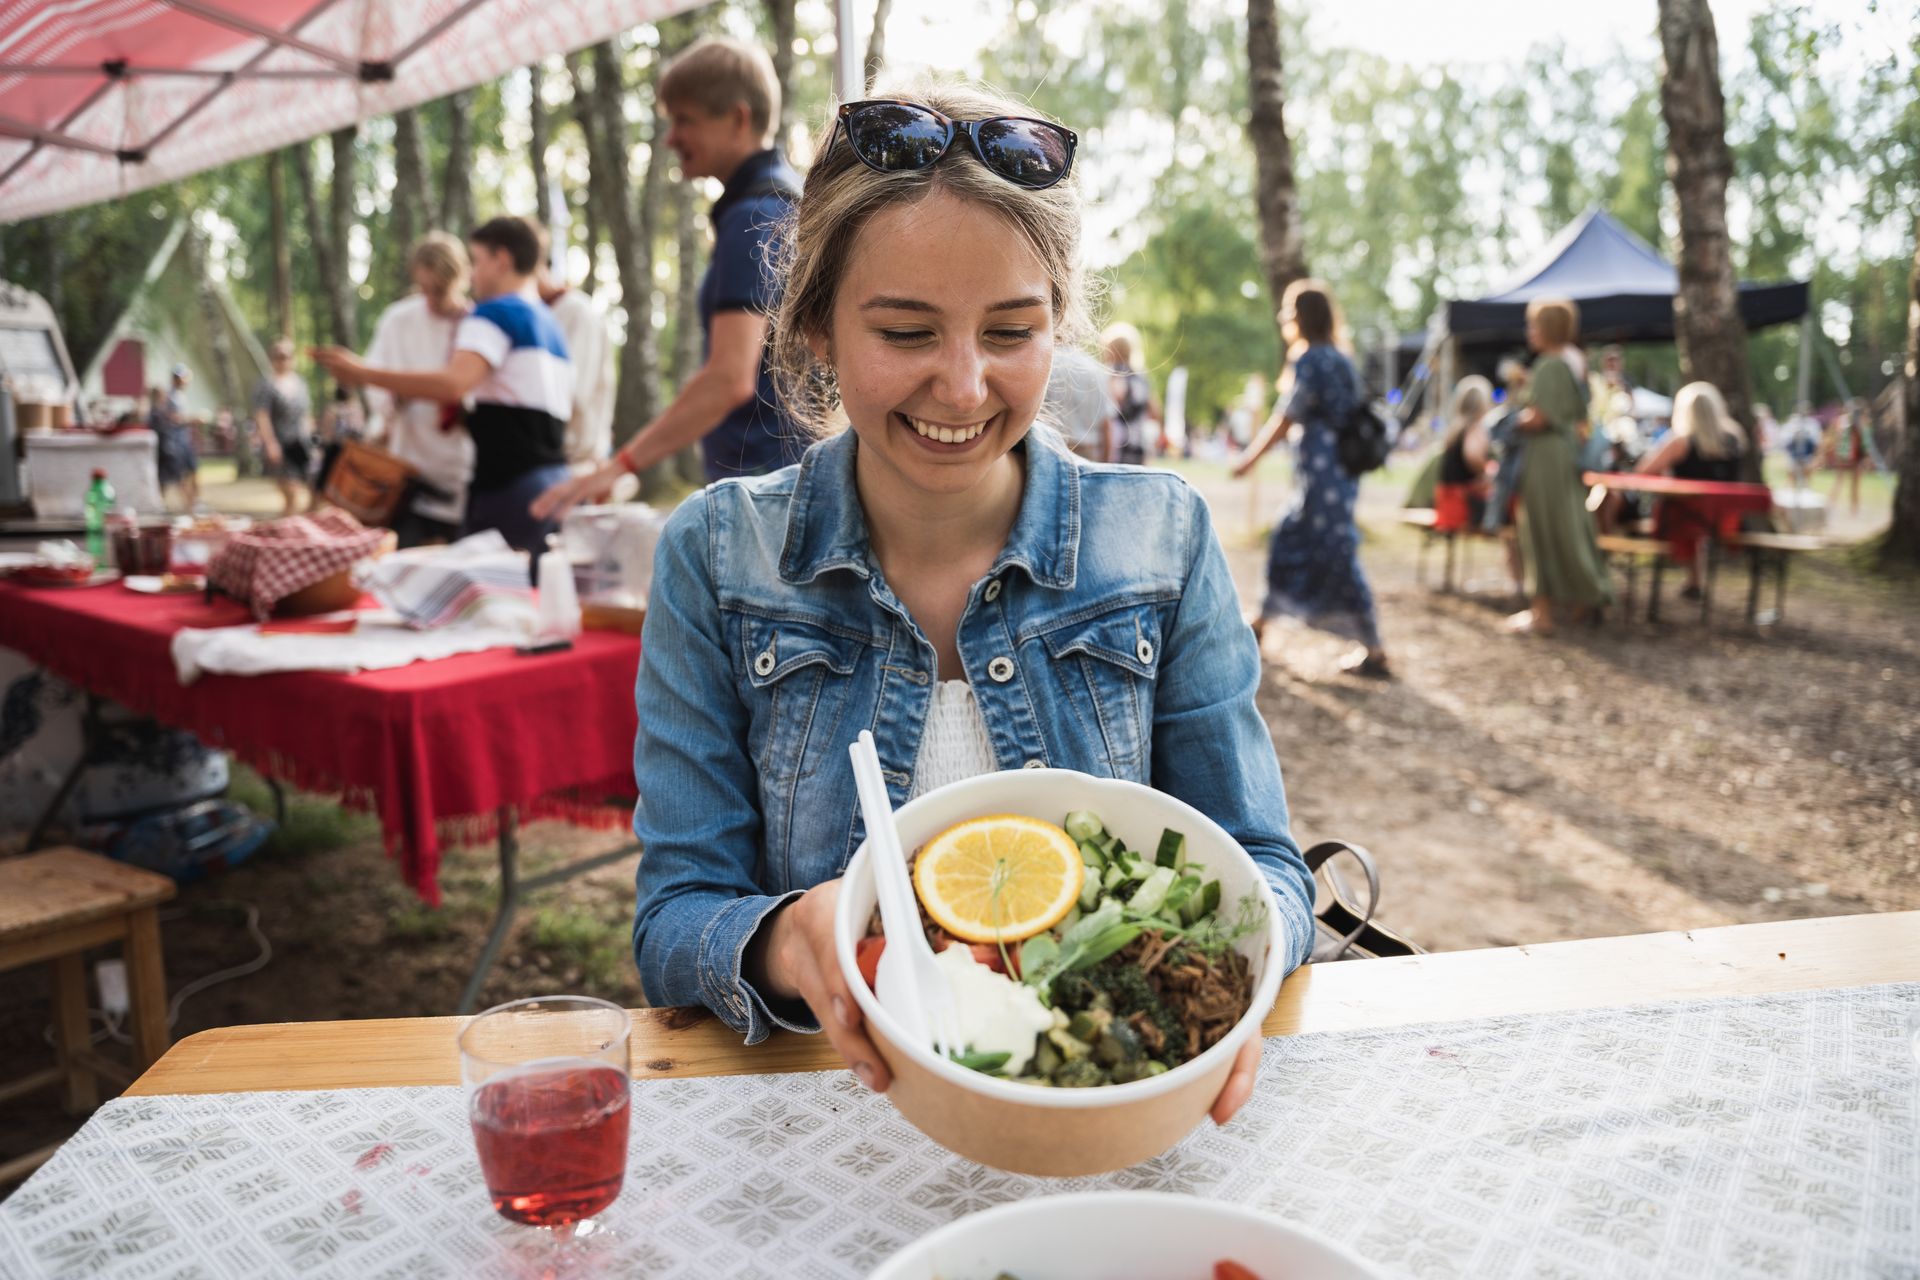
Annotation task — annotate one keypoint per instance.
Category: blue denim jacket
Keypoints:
(1106, 638)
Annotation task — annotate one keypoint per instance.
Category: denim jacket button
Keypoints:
(993, 590)
(1143, 651)
(763, 665)
(1034, 764)
(1000, 670)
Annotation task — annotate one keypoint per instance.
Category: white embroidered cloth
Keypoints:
(1774, 1136)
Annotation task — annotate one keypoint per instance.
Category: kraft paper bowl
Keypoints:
(1120, 1235)
(1024, 1128)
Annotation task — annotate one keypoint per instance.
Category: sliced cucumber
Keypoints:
(1084, 826)
(1153, 893)
(1172, 851)
(1203, 903)
(1090, 891)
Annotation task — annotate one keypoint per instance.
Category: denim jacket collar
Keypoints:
(826, 528)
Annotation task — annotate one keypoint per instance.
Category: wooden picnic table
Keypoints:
(1748, 959)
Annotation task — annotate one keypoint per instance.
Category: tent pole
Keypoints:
(848, 82)
(1804, 392)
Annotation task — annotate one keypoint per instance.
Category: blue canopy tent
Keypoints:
(1624, 287)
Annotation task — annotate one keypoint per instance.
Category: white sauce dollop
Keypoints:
(997, 1014)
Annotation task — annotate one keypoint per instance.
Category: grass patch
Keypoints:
(575, 939)
(418, 922)
(315, 824)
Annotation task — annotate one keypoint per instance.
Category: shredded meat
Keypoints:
(1207, 993)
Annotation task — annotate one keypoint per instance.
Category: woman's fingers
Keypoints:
(839, 1016)
(1239, 1086)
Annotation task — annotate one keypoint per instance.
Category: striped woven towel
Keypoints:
(478, 581)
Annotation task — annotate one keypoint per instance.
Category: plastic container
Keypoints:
(1120, 1234)
(1060, 1132)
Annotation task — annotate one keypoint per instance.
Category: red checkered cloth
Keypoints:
(270, 561)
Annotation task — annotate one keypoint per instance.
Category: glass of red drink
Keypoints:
(547, 1094)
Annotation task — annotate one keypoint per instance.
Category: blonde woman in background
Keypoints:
(1705, 445)
(1460, 490)
(416, 334)
(1568, 573)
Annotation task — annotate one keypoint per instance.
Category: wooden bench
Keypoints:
(1766, 553)
(56, 905)
(1425, 520)
(1771, 553)
(1633, 549)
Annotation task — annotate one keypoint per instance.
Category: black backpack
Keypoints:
(1367, 436)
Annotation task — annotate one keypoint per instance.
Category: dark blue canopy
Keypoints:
(1624, 287)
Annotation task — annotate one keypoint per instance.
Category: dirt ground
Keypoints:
(1614, 780)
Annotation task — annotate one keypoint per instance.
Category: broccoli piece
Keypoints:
(1136, 1002)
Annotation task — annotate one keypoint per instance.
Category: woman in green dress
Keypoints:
(1568, 573)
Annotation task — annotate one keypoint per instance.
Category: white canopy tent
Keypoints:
(103, 98)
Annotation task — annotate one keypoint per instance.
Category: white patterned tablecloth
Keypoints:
(1772, 1136)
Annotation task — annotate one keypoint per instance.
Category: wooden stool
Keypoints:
(55, 905)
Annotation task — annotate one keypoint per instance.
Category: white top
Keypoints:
(521, 341)
(955, 745)
(411, 335)
(584, 324)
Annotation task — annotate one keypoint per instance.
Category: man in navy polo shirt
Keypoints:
(722, 102)
(510, 359)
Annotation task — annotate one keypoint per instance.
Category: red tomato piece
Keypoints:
(866, 955)
(1232, 1271)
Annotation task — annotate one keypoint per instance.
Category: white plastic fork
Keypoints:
(908, 984)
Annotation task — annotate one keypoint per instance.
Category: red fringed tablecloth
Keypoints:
(434, 749)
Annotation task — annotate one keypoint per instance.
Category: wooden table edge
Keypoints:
(1728, 960)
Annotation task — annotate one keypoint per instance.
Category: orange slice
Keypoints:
(998, 879)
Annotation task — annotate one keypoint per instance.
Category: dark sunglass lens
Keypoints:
(892, 135)
(1031, 153)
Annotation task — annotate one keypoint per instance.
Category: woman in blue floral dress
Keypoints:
(1313, 562)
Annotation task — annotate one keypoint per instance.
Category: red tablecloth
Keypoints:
(435, 749)
(1692, 509)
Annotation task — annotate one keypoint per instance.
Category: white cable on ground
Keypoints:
(113, 1027)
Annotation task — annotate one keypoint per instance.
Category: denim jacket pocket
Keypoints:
(1108, 663)
(797, 677)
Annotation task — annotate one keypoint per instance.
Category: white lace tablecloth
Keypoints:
(1772, 1136)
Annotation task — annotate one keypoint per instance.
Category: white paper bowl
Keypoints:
(1120, 1235)
(1061, 1132)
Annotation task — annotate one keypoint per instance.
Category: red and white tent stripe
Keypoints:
(102, 98)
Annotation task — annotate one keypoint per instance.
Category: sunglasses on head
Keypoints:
(904, 137)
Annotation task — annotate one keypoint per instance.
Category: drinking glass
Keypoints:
(547, 1093)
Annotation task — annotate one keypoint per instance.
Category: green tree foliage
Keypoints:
(1417, 184)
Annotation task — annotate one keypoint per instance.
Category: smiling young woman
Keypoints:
(939, 569)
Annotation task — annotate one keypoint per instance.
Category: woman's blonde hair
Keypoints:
(1558, 319)
(842, 194)
(1472, 399)
(1700, 414)
(443, 257)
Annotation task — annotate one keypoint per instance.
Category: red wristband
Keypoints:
(626, 463)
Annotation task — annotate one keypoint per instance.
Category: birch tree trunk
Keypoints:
(541, 135)
(877, 42)
(1283, 253)
(1902, 542)
(637, 396)
(784, 30)
(1706, 314)
(280, 296)
(457, 205)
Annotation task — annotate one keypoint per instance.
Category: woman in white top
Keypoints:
(416, 333)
